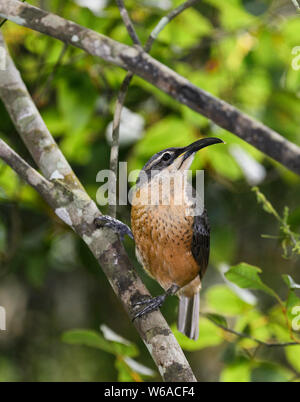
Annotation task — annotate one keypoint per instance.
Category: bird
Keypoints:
(171, 232)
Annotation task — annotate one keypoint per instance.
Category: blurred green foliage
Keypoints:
(240, 51)
(289, 239)
(128, 369)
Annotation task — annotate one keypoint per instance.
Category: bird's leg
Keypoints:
(119, 227)
(153, 303)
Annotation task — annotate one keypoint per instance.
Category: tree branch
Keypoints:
(5, 19)
(140, 63)
(165, 20)
(73, 205)
(296, 4)
(31, 126)
(128, 23)
(25, 171)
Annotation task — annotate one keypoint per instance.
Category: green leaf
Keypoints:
(72, 89)
(278, 325)
(233, 16)
(9, 182)
(239, 371)
(209, 335)
(224, 163)
(168, 132)
(247, 276)
(56, 126)
(96, 340)
(177, 32)
(290, 282)
(124, 371)
(87, 338)
(254, 92)
(218, 319)
(293, 310)
(255, 324)
(292, 354)
(270, 372)
(224, 301)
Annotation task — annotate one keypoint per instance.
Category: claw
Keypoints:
(142, 302)
(118, 226)
(151, 304)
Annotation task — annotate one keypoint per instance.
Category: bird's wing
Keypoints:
(200, 241)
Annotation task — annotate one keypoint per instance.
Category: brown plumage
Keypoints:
(172, 239)
(163, 236)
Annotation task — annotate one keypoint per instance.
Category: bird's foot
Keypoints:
(119, 227)
(153, 303)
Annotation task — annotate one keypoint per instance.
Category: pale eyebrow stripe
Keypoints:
(154, 161)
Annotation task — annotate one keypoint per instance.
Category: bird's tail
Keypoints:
(188, 315)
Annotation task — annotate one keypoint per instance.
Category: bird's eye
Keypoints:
(166, 156)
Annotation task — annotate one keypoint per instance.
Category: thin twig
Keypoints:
(24, 170)
(296, 4)
(284, 226)
(243, 335)
(165, 20)
(128, 23)
(114, 153)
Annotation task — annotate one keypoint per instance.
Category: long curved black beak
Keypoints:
(197, 145)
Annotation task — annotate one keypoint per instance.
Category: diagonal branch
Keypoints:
(26, 172)
(140, 63)
(128, 23)
(73, 205)
(165, 20)
(296, 4)
(31, 126)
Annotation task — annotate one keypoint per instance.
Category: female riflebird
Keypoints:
(171, 231)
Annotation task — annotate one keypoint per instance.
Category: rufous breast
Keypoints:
(163, 235)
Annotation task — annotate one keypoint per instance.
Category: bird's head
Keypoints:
(174, 160)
